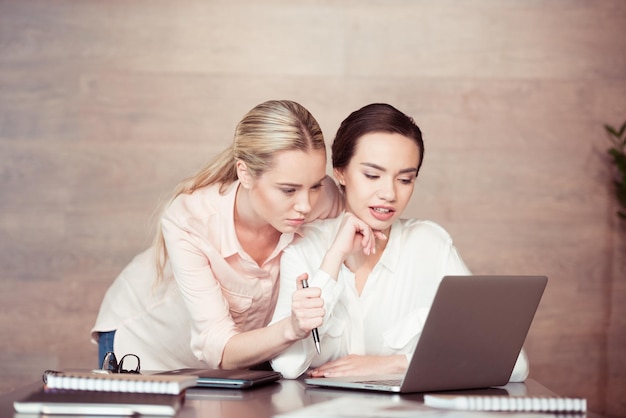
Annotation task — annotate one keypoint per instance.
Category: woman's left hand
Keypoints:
(359, 365)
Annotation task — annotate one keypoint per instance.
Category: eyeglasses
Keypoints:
(110, 363)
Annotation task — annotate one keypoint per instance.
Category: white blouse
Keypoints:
(388, 316)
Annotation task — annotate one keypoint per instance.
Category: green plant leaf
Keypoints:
(611, 130)
(618, 159)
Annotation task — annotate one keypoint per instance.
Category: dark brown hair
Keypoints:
(375, 117)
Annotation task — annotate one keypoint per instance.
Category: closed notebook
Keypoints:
(79, 402)
(118, 382)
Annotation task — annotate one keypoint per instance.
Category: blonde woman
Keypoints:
(204, 293)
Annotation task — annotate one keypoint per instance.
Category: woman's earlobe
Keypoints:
(242, 173)
(339, 177)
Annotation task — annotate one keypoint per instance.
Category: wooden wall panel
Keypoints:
(104, 106)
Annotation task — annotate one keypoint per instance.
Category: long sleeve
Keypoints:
(224, 290)
(295, 360)
(298, 259)
(210, 319)
(521, 369)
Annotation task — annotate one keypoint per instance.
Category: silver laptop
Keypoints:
(472, 337)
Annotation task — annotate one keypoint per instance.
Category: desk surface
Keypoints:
(277, 398)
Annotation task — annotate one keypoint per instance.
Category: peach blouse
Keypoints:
(212, 289)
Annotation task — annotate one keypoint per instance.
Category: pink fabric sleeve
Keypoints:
(211, 323)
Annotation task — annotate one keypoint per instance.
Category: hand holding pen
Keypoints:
(314, 332)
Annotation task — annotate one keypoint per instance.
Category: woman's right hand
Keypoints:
(353, 236)
(307, 308)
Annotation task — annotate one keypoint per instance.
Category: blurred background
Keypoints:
(105, 106)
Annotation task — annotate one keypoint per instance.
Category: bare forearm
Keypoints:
(256, 346)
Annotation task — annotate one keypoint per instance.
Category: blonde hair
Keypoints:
(267, 129)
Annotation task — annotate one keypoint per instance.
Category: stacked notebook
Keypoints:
(90, 393)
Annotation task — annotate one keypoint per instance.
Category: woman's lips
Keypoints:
(382, 213)
(295, 222)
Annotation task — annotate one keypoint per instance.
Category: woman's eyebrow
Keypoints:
(294, 185)
(377, 167)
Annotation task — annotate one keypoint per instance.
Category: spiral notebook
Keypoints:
(506, 403)
(118, 382)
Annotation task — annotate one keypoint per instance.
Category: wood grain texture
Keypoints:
(104, 106)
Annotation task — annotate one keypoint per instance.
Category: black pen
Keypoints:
(316, 335)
